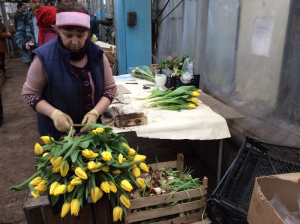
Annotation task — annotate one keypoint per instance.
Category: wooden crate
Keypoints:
(39, 212)
(159, 199)
(154, 68)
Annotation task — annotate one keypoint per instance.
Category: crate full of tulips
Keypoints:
(97, 163)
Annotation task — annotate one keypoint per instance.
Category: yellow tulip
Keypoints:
(140, 182)
(191, 106)
(36, 195)
(53, 186)
(144, 167)
(100, 194)
(70, 187)
(117, 214)
(125, 146)
(199, 91)
(105, 187)
(136, 172)
(80, 173)
(125, 201)
(131, 152)
(64, 168)
(188, 99)
(36, 181)
(126, 185)
(115, 172)
(97, 165)
(91, 165)
(85, 168)
(75, 207)
(57, 162)
(60, 190)
(105, 169)
(41, 187)
(76, 181)
(45, 154)
(106, 156)
(44, 182)
(139, 158)
(195, 100)
(56, 169)
(132, 71)
(38, 149)
(65, 209)
(134, 166)
(52, 160)
(112, 187)
(47, 140)
(94, 194)
(120, 158)
(89, 154)
(195, 93)
(100, 130)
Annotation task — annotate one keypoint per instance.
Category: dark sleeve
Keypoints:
(17, 18)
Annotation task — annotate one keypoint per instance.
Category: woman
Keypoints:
(45, 20)
(69, 80)
(3, 46)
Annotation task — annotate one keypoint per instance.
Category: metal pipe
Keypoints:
(108, 10)
(220, 161)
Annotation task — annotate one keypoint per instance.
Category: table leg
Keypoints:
(220, 161)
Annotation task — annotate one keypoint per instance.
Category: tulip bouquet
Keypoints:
(93, 164)
(181, 98)
(143, 72)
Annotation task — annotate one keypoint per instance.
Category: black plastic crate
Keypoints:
(231, 199)
(176, 83)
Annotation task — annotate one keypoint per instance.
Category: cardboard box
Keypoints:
(286, 186)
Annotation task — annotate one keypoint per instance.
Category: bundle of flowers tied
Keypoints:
(93, 164)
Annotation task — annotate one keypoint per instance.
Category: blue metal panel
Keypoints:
(138, 37)
(120, 22)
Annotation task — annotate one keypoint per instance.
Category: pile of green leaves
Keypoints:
(143, 72)
(173, 62)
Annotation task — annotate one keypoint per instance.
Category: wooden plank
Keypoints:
(159, 199)
(102, 211)
(219, 108)
(32, 202)
(180, 162)
(34, 215)
(70, 219)
(166, 165)
(193, 217)
(86, 215)
(134, 217)
(205, 221)
(48, 217)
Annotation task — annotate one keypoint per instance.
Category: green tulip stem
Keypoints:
(24, 185)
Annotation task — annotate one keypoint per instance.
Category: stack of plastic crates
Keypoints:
(230, 201)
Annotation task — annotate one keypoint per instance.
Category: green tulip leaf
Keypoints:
(56, 151)
(74, 155)
(75, 144)
(56, 177)
(31, 188)
(112, 199)
(87, 188)
(133, 180)
(80, 191)
(54, 199)
(92, 179)
(108, 149)
(85, 144)
(66, 146)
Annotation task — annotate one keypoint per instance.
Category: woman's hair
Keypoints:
(72, 6)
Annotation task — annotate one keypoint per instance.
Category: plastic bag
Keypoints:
(188, 66)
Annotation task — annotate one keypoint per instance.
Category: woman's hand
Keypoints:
(62, 121)
(90, 118)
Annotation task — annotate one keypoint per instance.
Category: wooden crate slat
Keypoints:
(159, 199)
(102, 210)
(166, 165)
(205, 221)
(34, 215)
(145, 215)
(86, 215)
(193, 218)
(68, 219)
(32, 202)
(48, 217)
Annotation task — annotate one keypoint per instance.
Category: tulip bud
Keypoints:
(120, 158)
(139, 158)
(100, 130)
(41, 187)
(80, 173)
(65, 209)
(70, 187)
(112, 187)
(36, 195)
(105, 169)
(85, 168)
(105, 187)
(38, 149)
(91, 165)
(53, 187)
(191, 106)
(117, 214)
(136, 172)
(195, 100)
(60, 190)
(125, 146)
(115, 172)
(106, 156)
(45, 154)
(199, 91)
(125, 201)
(140, 182)
(47, 140)
(195, 93)
(36, 181)
(126, 185)
(75, 207)
(94, 194)
(144, 167)
(64, 168)
(89, 154)
(56, 169)
(134, 166)
(97, 165)
(52, 160)
(57, 162)
(76, 181)
(131, 152)
(100, 194)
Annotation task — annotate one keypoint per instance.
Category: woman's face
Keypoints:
(73, 39)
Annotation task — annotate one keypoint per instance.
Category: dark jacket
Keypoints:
(94, 27)
(63, 90)
(18, 16)
(3, 36)
(25, 33)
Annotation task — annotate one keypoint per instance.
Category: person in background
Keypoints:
(94, 27)
(19, 13)
(3, 46)
(70, 80)
(1, 110)
(46, 17)
(27, 35)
